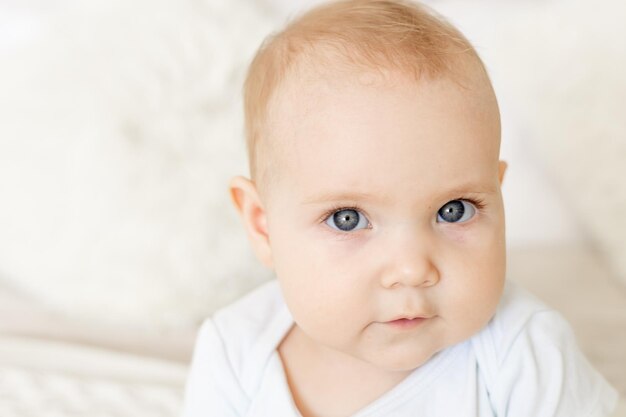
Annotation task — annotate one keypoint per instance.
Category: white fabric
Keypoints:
(525, 362)
(44, 378)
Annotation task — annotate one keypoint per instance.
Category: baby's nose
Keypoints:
(409, 262)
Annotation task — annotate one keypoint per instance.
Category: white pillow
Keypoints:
(119, 129)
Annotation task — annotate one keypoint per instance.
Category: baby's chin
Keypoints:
(401, 362)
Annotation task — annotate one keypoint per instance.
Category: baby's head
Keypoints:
(373, 135)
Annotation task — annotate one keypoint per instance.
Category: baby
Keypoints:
(373, 136)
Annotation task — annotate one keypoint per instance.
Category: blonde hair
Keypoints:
(350, 34)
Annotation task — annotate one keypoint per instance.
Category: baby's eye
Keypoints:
(456, 211)
(347, 220)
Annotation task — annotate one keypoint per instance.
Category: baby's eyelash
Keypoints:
(477, 202)
(337, 208)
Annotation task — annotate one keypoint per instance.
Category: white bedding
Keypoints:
(43, 378)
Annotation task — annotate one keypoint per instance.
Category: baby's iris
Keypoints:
(347, 220)
(456, 211)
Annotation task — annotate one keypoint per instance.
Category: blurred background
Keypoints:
(121, 123)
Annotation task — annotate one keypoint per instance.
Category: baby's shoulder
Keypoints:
(521, 319)
(249, 316)
(518, 312)
(247, 332)
(528, 354)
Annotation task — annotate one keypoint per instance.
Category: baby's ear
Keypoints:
(502, 165)
(246, 199)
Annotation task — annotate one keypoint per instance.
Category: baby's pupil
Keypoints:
(346, 219)
(452, 211)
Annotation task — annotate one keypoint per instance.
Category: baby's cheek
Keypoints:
(472, 235)
(326, 322)
(472, 278)
(478, 249)
(333, 305)
(473, 297)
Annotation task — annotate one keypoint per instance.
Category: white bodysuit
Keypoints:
(524, 363)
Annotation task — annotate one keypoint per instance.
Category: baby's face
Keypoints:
(387, 206)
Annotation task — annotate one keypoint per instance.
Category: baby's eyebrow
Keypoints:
(473, 188)
(344, 196)
(457, 191)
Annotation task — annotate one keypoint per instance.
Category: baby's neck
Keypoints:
(324, 382)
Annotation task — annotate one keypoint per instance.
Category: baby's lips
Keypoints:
(408, 317)
(405, 323)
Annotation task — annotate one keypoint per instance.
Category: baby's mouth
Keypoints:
(406, 323)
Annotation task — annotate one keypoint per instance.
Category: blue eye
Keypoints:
(456, 211)
(347, 220)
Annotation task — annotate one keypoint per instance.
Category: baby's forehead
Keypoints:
(316, 90)
(374, 118)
